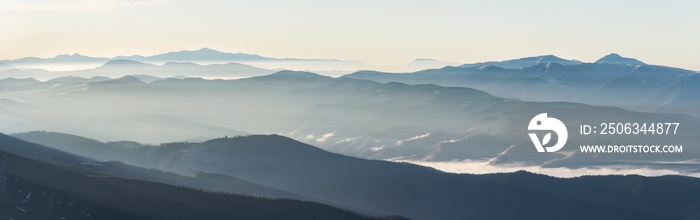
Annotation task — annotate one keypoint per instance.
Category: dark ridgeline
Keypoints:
(53, 186)
(414, 191)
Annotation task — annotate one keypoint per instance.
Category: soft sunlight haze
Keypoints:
(378, 32)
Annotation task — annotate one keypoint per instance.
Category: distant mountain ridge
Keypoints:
(63, 58)
(109, 165)
(524, 62)
(332, 67)
(125, 62)
(203, 54)
(17, 82)
(612, 79)
(122, 67)
(361, 118)
(614, 58)
(4, 67)
(49, 187)
(406, 189)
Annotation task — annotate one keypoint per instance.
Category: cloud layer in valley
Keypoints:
(484, 167)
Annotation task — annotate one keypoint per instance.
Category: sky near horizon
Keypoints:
(388, 32)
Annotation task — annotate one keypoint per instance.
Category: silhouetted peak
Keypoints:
(614, 58)
(121, 62)
(203, 50)
(73, 56)
(66, 55)
(206, 49)
(203, 54)
(299, 75)
(265, 143)
(128, 80)
(425, 60)
(180, 64)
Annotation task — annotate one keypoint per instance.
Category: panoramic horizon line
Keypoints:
(121, 56)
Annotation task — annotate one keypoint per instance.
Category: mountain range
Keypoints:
(354, 117)
(524, 62)
(42, 183)
(173, 137)
(203, 54)
(4, 67)
(382, 188)
(612, 80)
(206, 56)
(63, 58)
(120, 68)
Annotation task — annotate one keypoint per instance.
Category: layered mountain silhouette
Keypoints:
(112, 167)
(185, 55)
(17, 82)
(204, 54)
(524, 62)
(44, 68)
(4, 67)
(612, 80)
(63, 58)
(120, 67)
(42, 183)
(158, 151)
(382, 187)
(361, 118)
(208, 54)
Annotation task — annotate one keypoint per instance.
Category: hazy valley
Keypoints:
(157, 127)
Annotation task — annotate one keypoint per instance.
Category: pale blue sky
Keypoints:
(381, 32)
